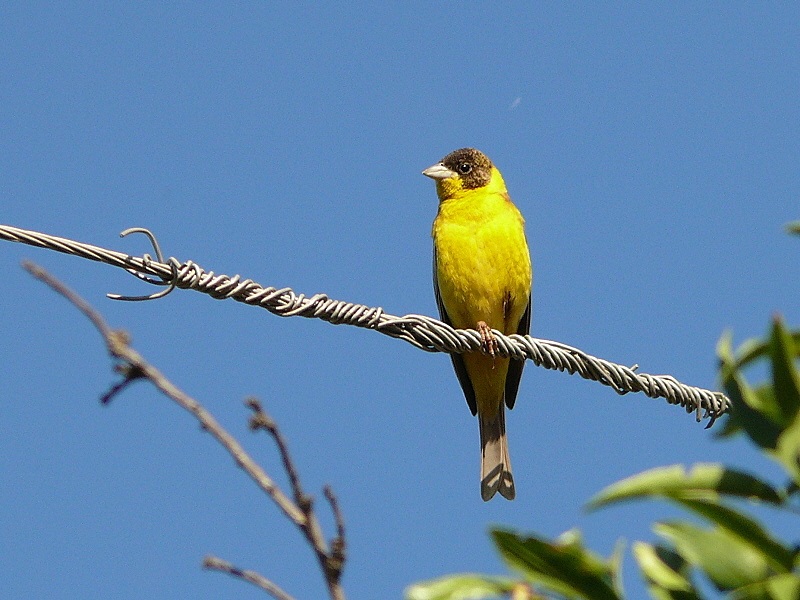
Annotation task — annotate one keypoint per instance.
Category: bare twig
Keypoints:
(338, 543)
(337, 513)
(331, 559)
(217, 564)
(133, 366)
(78, 302)
(261, 420)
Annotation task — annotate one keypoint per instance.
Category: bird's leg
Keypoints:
(488, 339)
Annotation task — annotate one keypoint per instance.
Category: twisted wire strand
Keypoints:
(423, 332)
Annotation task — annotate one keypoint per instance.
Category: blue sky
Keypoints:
(653, 150)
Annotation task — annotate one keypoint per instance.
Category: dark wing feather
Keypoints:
(515, 366)
(458, 360)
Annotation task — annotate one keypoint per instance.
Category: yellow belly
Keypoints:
(483, 270)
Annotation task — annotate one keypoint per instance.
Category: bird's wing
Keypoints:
(515, 366)
(458, 360)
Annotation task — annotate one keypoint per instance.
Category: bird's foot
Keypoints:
(487, 338)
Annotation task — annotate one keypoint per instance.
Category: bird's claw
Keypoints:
(487, 338)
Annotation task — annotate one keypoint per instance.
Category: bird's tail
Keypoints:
(495, 463)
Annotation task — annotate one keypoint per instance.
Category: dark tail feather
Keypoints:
(495, 463)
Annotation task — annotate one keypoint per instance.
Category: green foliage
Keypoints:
(705, 481)
(769, 413)
(733, 551)
(566, 566)
(461, 587)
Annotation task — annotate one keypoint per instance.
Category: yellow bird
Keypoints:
(482, 280)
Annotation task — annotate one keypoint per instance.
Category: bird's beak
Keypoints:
(439, 171)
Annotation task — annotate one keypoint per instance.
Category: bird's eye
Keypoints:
(464, 168)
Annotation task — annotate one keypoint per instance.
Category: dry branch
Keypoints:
(132, 366)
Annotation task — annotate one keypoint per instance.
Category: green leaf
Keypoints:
(659, 572)
(750, 409)
(756, 415)
(467, 586)
(751, 350)
(788, 450)
(745, 529)
(564, 567)
(704, 480)
(615, 566)
(785, 378)
(747, 352)
(766, 411)
(793, 227)
(786, 381)
(779, 587)
(740, 420)
(728, 562)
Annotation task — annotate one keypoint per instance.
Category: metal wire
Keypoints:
(423, 332)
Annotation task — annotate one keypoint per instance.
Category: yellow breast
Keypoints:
(483, 265)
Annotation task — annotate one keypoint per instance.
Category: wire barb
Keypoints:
(425, 333)
(147, 260)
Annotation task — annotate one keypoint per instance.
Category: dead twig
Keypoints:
(217, 564)
(132, 366)
(331, 559)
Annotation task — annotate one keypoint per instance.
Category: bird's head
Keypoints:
(464, 170)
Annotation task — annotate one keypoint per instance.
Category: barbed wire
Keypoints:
(423, 332)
